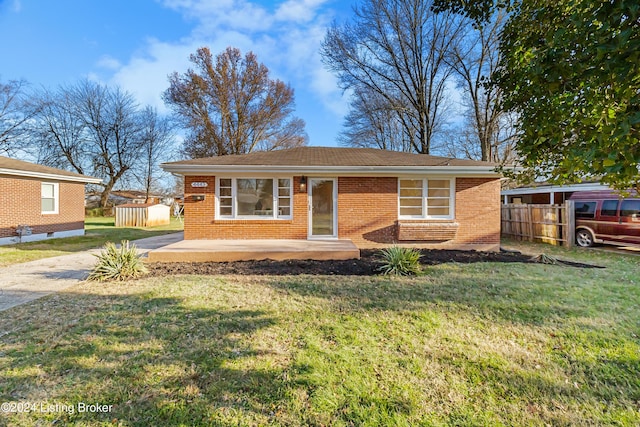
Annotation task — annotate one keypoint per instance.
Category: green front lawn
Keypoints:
(98, 231)
(479, 344)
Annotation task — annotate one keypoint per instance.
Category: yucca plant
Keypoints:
(400, 261)
(118, 263)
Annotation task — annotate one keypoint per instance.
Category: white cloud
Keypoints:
(298, 10)
(286, 39)
(109, 62)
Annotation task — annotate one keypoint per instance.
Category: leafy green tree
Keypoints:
(571, 70)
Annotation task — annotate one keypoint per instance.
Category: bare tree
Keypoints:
(14, 114)
(157, 146)
(474, 60)
(373, 122)
(90, 128)
(397, 49)
(58, 133)
(464, 142)
(232, 106)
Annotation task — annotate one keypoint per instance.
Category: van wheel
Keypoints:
(584, 238)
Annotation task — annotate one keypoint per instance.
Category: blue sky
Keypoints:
(136, 43)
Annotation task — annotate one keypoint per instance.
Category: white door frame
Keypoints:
(310, 209)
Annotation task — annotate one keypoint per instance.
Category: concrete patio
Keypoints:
(246, 250)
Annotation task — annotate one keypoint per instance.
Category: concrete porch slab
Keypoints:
(247, 250)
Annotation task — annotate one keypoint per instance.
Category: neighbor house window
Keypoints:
(49, 197)
(253, 198)
(426, 198)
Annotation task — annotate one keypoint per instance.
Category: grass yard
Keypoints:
(476, 344)
(98, 231)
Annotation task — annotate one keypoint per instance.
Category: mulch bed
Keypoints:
(365, 266)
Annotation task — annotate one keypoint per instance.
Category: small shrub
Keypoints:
(118, 263)
(93, 212)
(545, 259)
(400, 261)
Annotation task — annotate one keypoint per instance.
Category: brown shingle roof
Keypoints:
(22, 168)
(331, 156)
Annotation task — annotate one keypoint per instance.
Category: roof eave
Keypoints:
(475, 171)
(555, 189)
(50, 176)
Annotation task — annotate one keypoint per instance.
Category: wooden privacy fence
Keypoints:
(554, 224)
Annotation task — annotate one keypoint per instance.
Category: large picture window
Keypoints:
(49, 198)
(253, 198)
(426, 198)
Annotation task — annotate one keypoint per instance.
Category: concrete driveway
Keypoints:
(21, 283)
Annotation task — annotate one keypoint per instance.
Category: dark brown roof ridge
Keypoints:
(332, 156)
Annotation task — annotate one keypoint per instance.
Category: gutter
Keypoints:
(50, 176)
(470, 171)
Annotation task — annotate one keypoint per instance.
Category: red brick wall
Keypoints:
(367, 213)
(20, 204)
(200, 222)
(478, 210)
(367, 209)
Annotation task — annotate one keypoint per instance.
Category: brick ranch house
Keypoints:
(38, 202)
(370, 196)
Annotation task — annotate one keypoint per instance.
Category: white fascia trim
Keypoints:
(555, 189)
(50, 176)
(233, 170)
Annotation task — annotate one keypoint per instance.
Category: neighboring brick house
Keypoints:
(373, 197)
(38, 202)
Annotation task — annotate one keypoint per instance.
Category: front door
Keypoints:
(322, 208)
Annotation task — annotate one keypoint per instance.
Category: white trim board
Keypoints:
(41, 236)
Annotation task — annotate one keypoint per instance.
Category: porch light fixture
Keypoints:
(303, 183)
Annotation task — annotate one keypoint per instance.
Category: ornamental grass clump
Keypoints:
(118, 263)
(399, 261)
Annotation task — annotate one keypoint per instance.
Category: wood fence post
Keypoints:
(530, 214)
(570, 220)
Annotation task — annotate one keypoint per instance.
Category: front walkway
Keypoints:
(21, 283)
(245, 250)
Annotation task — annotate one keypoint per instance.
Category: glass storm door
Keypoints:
(322, 208)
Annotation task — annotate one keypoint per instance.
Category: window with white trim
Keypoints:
(425, 198)
(253, 198)
(49, 197)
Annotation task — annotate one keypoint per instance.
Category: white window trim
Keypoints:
(234, 200)
(56, 198)
(425, 188)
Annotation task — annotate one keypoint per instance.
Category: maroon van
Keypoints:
(606, 217)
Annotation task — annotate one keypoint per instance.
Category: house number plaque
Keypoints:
(199, 184)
